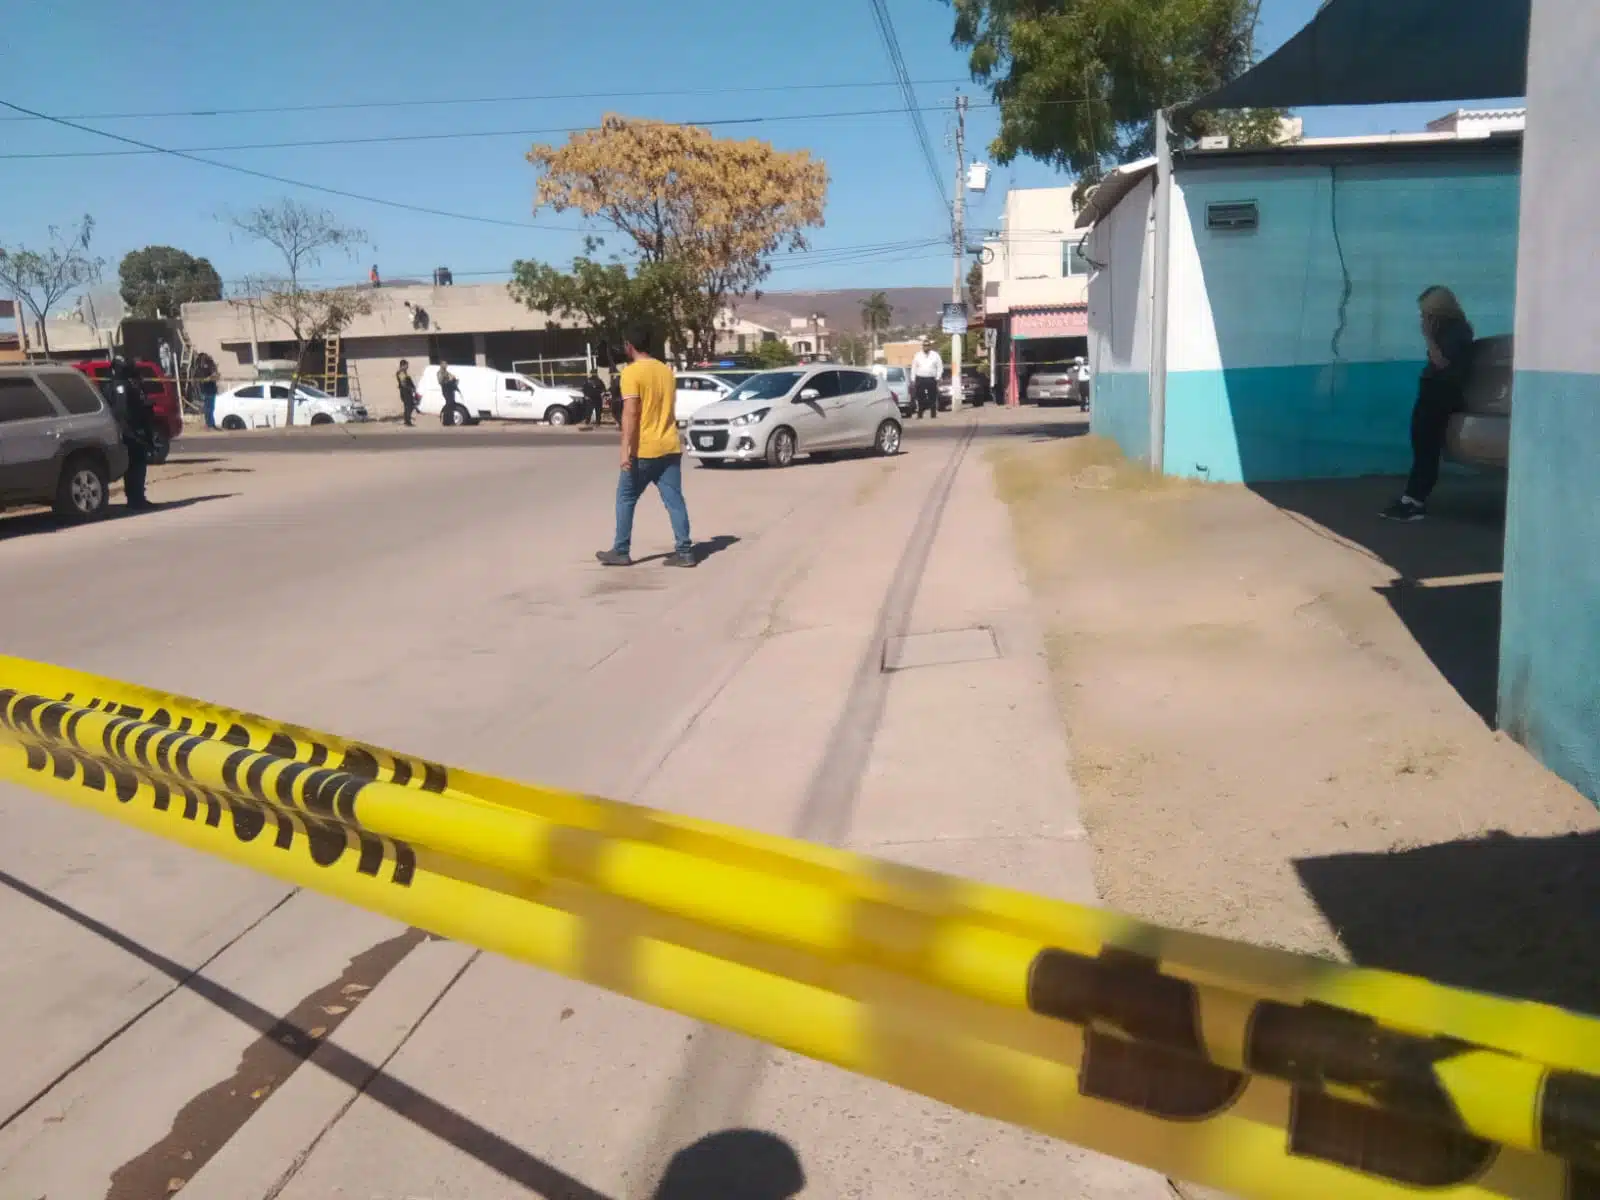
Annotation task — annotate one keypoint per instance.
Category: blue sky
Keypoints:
(205, 56)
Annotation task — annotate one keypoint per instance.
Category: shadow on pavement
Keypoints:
(702, 550)
(44, 522)
(1502, 914)
(465, 1134)
(1448, 594)
(736, 1164)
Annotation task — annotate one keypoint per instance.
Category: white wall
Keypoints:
(1119, 321)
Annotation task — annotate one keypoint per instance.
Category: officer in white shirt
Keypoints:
(926, 369)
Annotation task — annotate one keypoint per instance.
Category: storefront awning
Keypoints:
(1390, 52)
(1070, 320)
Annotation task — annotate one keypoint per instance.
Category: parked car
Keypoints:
(488, 394)
(898, 380)
(696, 389)
(1480, 435)
(265, 405)
(59, 443)
(164, 403)
(974, 387)
(775, 415)
(1053, 385)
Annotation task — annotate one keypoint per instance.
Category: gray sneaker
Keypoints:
(612, 558)
(680, 558)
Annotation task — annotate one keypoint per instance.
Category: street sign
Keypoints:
(953, 318)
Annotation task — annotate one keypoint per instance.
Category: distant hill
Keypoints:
(841, 309)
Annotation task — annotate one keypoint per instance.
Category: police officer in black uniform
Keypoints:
(124, 392)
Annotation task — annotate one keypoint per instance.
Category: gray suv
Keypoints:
(59, 443)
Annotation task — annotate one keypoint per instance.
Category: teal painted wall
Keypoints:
(1269, 376)
(1550, 622)
(1120, 410)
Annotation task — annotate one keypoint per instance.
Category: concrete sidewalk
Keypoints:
(952, 759)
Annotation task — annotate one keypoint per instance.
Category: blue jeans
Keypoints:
(666, 473)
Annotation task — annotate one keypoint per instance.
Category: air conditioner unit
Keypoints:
(978, 177)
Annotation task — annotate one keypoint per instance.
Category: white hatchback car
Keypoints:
(265, 405)
(775, 415)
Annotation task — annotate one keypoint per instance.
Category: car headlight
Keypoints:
(751, 418)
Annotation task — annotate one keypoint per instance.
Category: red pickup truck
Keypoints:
(163, 394)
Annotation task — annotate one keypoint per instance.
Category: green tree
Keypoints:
(876, 312)
(41, 279)
(774, 353)
(975, 289)
(1078, 82)
(608, 297)
(854, 350)
(159, 280)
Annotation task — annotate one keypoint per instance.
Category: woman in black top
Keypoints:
(1440, 395)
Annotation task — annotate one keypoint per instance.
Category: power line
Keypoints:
(299, 183)
(381, 139)
(897, 62)
(372, 104)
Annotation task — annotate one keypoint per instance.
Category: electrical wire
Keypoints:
(381, 139)
(891, 44)
(378, 104)
(299, 183)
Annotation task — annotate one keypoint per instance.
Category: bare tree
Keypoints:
(41, 279)
(303, 236)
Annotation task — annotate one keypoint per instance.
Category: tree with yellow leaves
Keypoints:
(716, 209)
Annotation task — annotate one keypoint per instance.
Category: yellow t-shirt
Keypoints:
(651, 380)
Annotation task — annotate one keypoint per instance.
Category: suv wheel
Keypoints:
(160, 447)
(558, 414)
(453, 415)
(84, 489)
(233, 423)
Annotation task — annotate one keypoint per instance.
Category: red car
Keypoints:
(163, 394)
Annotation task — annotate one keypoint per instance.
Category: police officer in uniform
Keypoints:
(124, 392)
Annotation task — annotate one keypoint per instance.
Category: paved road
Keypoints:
(157, 1008)
(429, 435)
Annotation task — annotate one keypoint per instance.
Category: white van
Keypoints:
(490, 395)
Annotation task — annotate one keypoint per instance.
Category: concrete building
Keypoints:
(88, 329)
(1289, 284)
(808, 336)
(1550, 625)
(469, 324)
(1035, 286)
(10, 332)
(740, 335)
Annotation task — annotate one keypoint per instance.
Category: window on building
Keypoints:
(1073, 259)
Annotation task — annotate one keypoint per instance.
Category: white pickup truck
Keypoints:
(486, 394)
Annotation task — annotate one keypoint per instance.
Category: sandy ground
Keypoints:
(1279, 708)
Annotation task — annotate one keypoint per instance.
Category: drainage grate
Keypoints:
(940, 649)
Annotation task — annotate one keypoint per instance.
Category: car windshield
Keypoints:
(896, 374)
(768, 385)
(733, 378)
(315, 393)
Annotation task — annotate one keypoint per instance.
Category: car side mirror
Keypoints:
(807, 395)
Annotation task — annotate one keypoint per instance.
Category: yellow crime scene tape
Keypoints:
(1255, 1071)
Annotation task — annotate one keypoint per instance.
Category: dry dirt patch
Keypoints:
(1267, 752)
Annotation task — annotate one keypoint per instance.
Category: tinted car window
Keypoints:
(253, 392)
(75, 392)
(858, 381)
(278, 391)
(825, 384)
(21, 399)
(769, 385)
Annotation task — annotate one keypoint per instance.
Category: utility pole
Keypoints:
(958, 245)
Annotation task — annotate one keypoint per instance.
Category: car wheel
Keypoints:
(887, 441)
(781, 448)
(557, 414)
(321, 419)
(233, 423)
(160, 448)
(84, 489)
(453, 416)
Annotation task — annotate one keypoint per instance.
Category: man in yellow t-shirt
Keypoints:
(651, 452)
